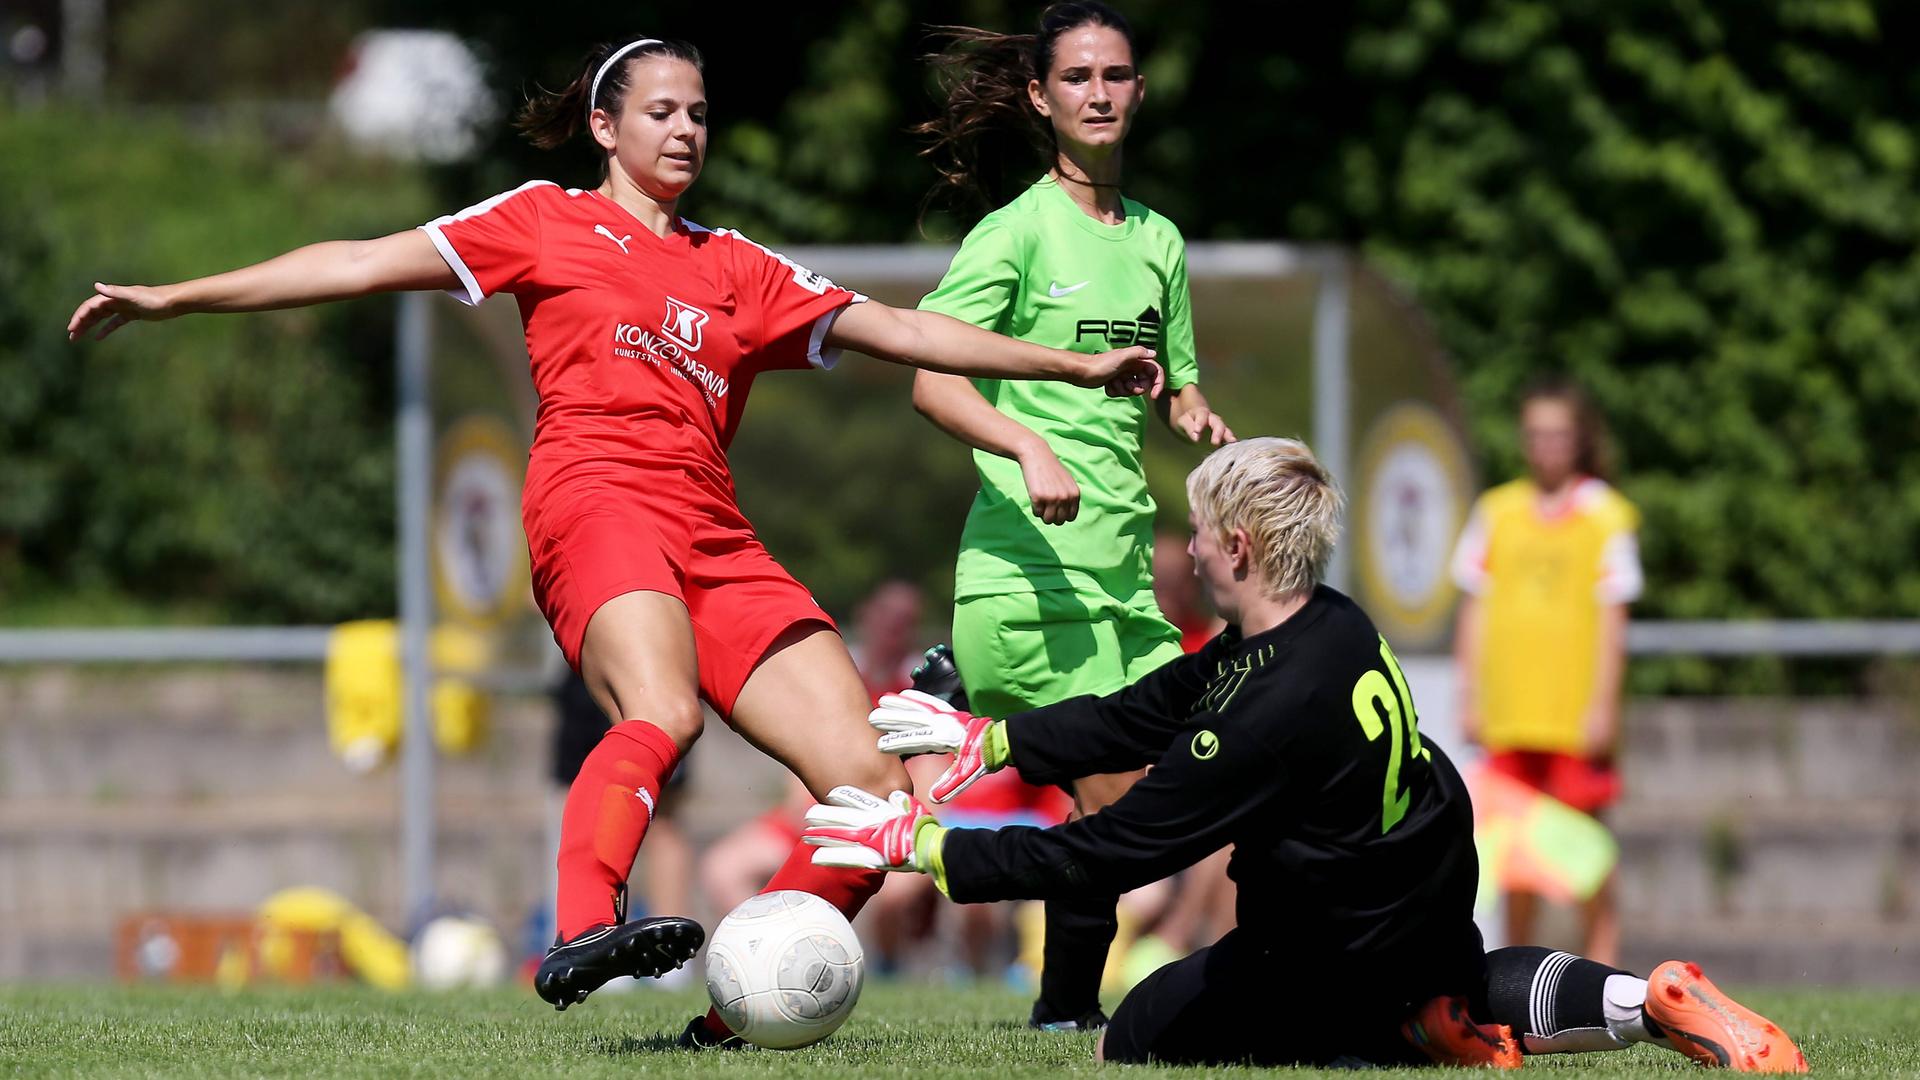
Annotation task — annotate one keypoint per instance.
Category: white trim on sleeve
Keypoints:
(807, 279)
(824, 358)
(470, 292)
(1621, 578)
(1470, 555)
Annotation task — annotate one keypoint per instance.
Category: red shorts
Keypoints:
(1589, 785)
(698, 549)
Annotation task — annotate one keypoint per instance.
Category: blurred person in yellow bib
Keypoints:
(1549, 563)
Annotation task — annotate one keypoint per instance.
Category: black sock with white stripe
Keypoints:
(1559, 1003)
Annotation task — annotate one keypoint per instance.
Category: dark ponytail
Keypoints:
(987, 125)
(551, 117)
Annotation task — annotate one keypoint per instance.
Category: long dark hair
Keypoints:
(987, 125)
(551, 117)
(1593, 443)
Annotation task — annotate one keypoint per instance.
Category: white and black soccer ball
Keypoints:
(784, 969)
(457, 951)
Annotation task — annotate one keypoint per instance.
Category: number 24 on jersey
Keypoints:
(1386, 708)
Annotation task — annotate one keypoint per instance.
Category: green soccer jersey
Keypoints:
(1040, 269)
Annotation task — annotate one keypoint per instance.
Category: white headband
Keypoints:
(623, 50)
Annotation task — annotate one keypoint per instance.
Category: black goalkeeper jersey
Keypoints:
(1353, 836)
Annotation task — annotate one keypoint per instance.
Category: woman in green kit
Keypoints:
(1053, 593)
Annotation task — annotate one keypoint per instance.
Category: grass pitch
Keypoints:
(900, 1030)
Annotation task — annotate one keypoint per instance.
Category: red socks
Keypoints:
(844, 888)
(608, 809)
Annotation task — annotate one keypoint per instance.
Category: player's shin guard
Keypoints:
(1079, 932)
(608, 809)
(1559, 1003)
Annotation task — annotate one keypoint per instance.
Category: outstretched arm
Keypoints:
(935, 342)
(1081, 736)
(1132, 727)
(315, 274)
(958, 409)
(1204, 791)
(1193, 801)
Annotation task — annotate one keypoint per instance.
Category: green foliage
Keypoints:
(1708, 213)
(1709, 216)
(848, 486)
(223, 468)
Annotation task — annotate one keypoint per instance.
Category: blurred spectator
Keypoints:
(886, 630)
(737, 865)
(1177, 592)
(1549, 563)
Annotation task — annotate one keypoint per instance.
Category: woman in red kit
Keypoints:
(645, 333)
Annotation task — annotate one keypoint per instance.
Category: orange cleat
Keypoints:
(1705, 1024)
(1444, 1032)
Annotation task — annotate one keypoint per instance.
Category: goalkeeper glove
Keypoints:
(858, 829)
(917, 723)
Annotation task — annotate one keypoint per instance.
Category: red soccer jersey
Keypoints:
(643, 348)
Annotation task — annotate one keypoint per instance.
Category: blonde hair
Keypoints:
(1285, 499)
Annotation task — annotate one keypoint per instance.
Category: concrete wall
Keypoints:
(207, 790)
(1773, 840)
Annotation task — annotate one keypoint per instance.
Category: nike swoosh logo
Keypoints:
(1054, 290)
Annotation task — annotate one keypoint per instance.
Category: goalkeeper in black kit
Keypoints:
(1293, 737)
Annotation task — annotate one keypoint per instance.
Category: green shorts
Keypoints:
(1019, 651)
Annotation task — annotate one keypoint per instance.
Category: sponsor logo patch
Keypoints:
(1142, 329)
(632, 341)
(683, 323)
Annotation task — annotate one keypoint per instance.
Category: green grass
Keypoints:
(899, 1031)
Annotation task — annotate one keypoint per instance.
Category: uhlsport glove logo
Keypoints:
(1205, 745)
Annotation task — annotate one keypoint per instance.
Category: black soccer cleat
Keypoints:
(698, 1036)
(643, 949)
(939, 676)
(1045, 1019)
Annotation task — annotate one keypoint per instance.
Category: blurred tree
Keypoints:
(213, 468)
(1708, 213)
(223, 51)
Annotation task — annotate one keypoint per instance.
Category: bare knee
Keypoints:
(639, 661)
(850, 757)
(676, 713)
(879, 773)
(682, 720)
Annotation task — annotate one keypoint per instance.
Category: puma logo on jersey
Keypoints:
(1056, 291)
(683, 323)
(621, 240)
